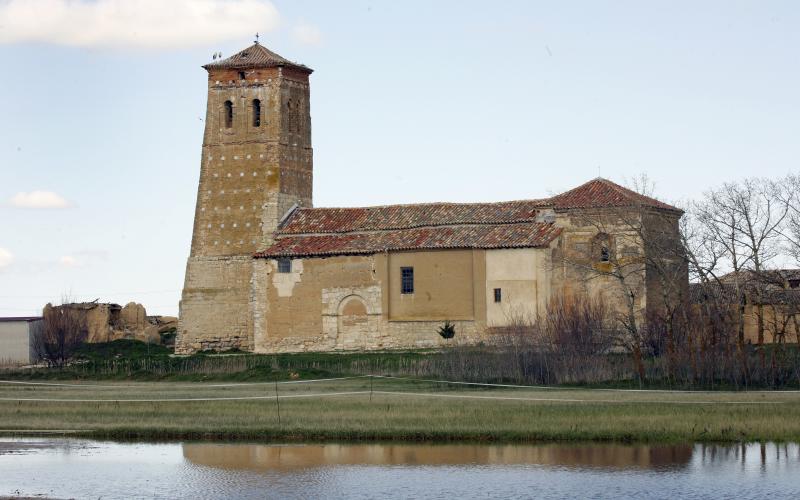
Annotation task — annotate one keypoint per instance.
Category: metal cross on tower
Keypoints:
(256, 37)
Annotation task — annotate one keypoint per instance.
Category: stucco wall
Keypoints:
(14, 342)
(340, 303)
(300, 310)
(775, 320)
(523, 276)
(443, 286)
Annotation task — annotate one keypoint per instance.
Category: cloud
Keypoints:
(6, 258)
(307, 34)
(39, 199)
(68, 261)
(134, 23)
(83, 258)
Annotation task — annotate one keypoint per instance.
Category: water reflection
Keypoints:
(76, 468)
(272, 457)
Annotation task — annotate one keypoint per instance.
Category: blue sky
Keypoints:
(411, 101)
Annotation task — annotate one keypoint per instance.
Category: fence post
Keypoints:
(277, 402)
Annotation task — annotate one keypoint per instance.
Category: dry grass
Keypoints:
(538, 415)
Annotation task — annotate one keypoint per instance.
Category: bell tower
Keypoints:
(256, 164)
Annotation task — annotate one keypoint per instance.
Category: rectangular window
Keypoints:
(284, 265)
(498, 294)
(406, 280)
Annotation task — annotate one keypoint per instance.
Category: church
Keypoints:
(268, 272)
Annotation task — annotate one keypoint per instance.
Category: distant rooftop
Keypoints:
(13, 319)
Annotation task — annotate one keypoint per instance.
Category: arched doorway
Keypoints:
(353, 323)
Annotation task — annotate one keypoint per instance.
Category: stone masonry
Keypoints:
(256, 164)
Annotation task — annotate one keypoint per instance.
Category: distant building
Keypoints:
(267, 272)
(766, 303)
(16, 340)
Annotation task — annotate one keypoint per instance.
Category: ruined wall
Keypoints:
(253, 170)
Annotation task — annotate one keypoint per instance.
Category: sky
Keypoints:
(103, 106)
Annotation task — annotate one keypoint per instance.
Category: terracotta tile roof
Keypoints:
(255, 56)
(764, 293)
(510, 224)
(516, 235)
(770, 278)
(602, 193)
(339, 220)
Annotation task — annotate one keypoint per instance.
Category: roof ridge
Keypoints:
(530, 235)
(629, 194)
(452, 203)
(280, 234)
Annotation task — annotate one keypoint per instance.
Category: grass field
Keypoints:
(394, 409)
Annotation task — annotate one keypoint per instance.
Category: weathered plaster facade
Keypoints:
(268, 273)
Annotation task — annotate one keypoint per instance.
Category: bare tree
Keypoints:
(788, 193)
(744, 221)
(63, 331)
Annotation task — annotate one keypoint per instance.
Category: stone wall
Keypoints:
(214, 310)
(339, 304)
(579, 268)
(251, 174)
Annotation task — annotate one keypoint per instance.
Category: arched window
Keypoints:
(602, 248)
(228, 114)
(256, 113)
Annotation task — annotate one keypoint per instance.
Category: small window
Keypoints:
(228, 114)
(406, 280)
(794, 283)
(498, 295)
(601, 248)
(284, 265)
(242, 76)
(256, 113)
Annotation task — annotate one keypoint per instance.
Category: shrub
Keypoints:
(448, 330)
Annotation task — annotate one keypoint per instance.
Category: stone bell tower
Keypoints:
(256, 165)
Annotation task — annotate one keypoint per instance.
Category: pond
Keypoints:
(78, 468)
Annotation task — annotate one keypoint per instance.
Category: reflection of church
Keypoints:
(269, 273)
(288, 457)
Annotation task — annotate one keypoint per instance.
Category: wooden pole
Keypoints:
(277, 402)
